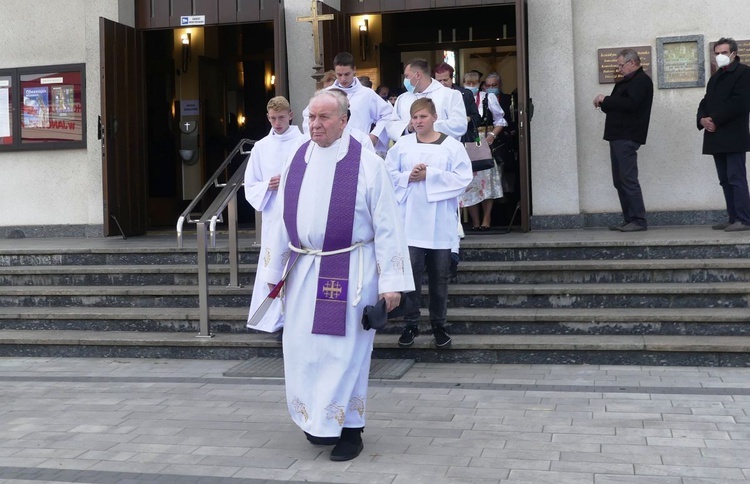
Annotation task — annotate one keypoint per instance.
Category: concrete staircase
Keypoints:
(676, 296)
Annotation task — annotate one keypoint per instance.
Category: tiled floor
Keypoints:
(125, 420)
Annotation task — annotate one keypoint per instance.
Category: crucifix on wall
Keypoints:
(315, 19)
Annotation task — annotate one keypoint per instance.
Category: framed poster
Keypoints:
(53, 114)
(6, 109)
(681, 61)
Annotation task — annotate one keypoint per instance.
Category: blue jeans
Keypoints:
(733, 180)
(437, 262)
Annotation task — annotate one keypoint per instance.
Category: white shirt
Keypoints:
(449, 104)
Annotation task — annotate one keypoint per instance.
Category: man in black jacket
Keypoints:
(444, 75)
(723, 113)
(628, 111)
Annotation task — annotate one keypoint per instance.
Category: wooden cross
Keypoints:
(315, 20)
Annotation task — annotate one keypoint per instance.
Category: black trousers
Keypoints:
(733, 180)
(624, 156)
(437, 262)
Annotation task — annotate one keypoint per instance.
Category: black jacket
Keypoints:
(628, 108)
(727, 102)
(471, 111)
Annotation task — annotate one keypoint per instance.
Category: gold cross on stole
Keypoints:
(315, 20)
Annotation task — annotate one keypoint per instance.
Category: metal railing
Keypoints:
(206, 229)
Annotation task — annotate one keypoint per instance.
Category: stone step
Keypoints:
(692, 321)
(657, 295)
(487, 272)
(650, 350)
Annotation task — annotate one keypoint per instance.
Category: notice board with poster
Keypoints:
(43, 108)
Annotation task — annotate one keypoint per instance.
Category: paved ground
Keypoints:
(126, 420)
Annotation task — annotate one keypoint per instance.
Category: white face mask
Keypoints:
(722, 60)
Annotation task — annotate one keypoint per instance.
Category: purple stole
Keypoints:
(333, 278)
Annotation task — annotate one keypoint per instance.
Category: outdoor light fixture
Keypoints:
(364, 39)
(187, 54)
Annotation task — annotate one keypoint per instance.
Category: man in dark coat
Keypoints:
(628, 111)
(444, 75)
(723, 114)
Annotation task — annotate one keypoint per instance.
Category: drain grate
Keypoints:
(274, 368)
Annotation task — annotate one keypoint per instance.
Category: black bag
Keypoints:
(375, 317)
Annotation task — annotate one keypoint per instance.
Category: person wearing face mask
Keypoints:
(723, 114)
(486, 185)
(449, 104)
(628, 111)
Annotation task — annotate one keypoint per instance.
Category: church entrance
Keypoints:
(199, 105)
(487, 39)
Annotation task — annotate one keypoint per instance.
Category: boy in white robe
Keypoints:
(261, 187)
(429, 170)
(326, 375)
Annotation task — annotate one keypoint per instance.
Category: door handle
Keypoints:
(100, 128)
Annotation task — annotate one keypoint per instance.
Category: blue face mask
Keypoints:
(474, 90)
(408, 85)
(493, 90)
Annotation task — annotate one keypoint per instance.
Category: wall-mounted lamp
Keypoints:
(273, 79)
(187, 54)
(364, 38)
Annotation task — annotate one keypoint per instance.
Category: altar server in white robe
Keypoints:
(449, 104)
(369, 113)
(343, 249)
(429, 170)
(262, 177)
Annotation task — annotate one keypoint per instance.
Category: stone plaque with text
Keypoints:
(681, 61)
(608, 62)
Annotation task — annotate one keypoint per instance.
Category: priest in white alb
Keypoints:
(262, 177)
(342, 247)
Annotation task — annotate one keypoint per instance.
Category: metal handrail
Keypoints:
(227, 198)
(212, 182)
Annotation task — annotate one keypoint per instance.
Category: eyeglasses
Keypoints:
(620, 66)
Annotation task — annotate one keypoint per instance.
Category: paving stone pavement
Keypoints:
(161, 420)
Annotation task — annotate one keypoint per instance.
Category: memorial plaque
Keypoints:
(608, 73)
(681, 61)
(743, 50)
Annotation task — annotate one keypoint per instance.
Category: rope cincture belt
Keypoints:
(360, 252)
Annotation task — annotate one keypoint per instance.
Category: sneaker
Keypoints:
(442, 340)
(617, 227)
(407, 338)
(633, 227)
(720, 226)
(737, 227)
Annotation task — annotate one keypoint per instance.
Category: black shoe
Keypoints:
(442, 340)
(721, 226)
(350, 445)
(617, 227)
(321, 440)
(737, 227)
(633, 227)
(407, 337)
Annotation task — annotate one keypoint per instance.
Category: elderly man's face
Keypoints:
(326, 122)
(625, 67)
(345, 75)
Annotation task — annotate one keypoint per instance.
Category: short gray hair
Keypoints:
(342, 103)
(630, 55)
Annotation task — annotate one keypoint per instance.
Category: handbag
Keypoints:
(480, 154)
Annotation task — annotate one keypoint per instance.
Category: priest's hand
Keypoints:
(392, 300)
(418, 173)
(273, 183)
